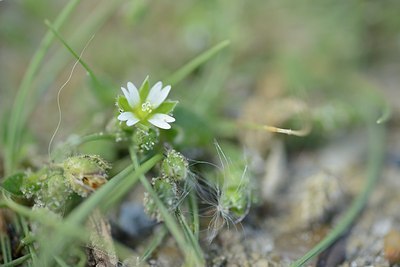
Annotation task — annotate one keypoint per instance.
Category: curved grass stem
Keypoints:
(376, 136)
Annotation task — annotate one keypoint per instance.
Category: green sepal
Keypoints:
(122, 103)
(166, 107)
(144, 90)
(13, 184)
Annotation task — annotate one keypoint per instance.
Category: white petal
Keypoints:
(161, 120)
(168, 118)
(155, 90)
(131, 87)
(132, 95)
(133, 91)
(132, 121)
(161, 96)
(124, 116)
(126, 94)
(160, 124)
(157, 95)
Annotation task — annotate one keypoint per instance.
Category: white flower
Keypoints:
(146, 106)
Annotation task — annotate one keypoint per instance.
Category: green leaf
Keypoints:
(144, 89)
(166, 107)
(13, 183)
(197, 130)
(122, 103)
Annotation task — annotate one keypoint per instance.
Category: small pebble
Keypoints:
(382, 227)
(392, 246)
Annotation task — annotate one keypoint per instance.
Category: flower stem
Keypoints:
(194, 210)
(94, 137)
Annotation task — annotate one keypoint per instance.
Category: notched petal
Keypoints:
(168, 118)
(126, 93)
(132, 122)
(161, 120)
(134, 94)
(154, 92)
(124, 116)
(161, 96)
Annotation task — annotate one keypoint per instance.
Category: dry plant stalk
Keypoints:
(100, 252)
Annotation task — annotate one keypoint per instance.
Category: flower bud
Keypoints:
(175, 166)
(54, 194)
(85, 173)
(33, 182)
(145, 138)
(47, 188)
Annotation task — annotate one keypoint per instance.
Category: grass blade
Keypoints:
(376, 151)
(47, 221)
(5, 248)
(185, 70)
(194, 210)
(31, 248)
(61, 262)
(189, 234)
(53, 68)
(18, 116)
(76, 55)
(155, 242)
(18, 261)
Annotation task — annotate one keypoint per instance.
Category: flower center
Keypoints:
(143, 111)
(146, 107)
